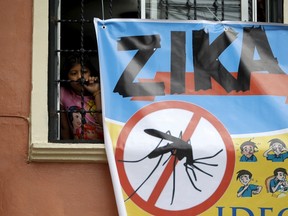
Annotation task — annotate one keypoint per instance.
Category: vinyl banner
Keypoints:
(195, 116)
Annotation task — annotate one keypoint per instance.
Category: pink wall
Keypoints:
(46, 189)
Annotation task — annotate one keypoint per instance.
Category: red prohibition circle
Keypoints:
(150, 207)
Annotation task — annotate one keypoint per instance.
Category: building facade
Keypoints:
(40, 186)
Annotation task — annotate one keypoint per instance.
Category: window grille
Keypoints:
(214, 10)
(71, 30)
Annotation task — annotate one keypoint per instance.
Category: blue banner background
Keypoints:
(239, 114)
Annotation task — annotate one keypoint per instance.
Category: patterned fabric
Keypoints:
(71, 102)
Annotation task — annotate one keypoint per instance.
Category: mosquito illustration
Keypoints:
(178, 149)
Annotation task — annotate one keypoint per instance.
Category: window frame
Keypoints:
(40, 149)
(244, 13)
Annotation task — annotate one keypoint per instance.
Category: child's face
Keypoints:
(244, 179)
(281, 176)
(277, 148)
(75, 74)
(248, 150)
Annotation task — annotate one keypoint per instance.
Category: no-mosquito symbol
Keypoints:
(174, 157)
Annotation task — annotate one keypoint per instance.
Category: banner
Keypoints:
(195, 116)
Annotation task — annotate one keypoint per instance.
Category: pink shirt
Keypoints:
(71, 102)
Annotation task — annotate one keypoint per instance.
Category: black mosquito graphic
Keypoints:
(178, 149)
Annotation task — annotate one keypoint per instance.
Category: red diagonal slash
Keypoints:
(149, 204)
(169, 167)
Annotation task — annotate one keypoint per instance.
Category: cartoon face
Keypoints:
(281, 176)
(277, 148)
(244, 179)
(248, 150)
(91, 134)
(76, 122)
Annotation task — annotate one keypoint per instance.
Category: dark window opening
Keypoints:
(270, 11)
(72, 34)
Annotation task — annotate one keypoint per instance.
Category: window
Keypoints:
(269, 11)
(41, 147)
(70, 29)
(196, 10)
(72, 20)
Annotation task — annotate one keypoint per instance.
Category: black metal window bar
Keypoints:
(214, 10)
(71, 30)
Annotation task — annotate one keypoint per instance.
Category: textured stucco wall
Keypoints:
(46, 189)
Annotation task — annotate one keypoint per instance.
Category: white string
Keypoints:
(213, 14)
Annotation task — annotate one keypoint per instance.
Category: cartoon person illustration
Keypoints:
(278, 184)
(247, 190)
(78, 123)
(75, 119)
(248, 149)
(278, 147)
(92, 132)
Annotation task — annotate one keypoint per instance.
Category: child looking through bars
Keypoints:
(80, 99)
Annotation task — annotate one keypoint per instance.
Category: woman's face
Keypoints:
(75, 74)
(77, 120)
